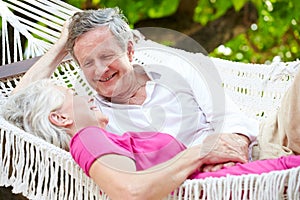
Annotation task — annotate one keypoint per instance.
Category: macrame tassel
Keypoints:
(3, 161)
(18, 163)
(274, 185)
(40, 170)
(293, 185)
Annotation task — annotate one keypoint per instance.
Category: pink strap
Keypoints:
(89, 144)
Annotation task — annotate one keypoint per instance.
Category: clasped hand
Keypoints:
(223, 150)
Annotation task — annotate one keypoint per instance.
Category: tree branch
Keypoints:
(217, 32)
(186, 9)
(226, 27)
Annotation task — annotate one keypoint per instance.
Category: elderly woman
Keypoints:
(162, 163)
(176, 101)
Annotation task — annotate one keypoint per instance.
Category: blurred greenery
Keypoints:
(276, 32)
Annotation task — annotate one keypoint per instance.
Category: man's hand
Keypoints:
(64, 32)
(224, 150)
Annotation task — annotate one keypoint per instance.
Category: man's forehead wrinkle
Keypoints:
(94, 36)
(102, 33)
(109, 45)
(98, 50)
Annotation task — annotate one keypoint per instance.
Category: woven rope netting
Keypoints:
(40, 170)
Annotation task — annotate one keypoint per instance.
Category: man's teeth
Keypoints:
(106, 79)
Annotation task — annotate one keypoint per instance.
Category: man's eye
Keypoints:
(107, 57)
(87, 65)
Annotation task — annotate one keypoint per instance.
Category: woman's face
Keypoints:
(105, 64)
(81, 110)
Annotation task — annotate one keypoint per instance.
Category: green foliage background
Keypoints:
(276, 32)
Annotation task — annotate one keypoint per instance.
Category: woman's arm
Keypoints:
(90, 145)
(94, 152)
(47, 64)
(154, 183)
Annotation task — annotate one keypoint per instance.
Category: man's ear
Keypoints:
(130, 50)
(59, 119)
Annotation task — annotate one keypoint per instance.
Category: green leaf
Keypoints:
(238, 4)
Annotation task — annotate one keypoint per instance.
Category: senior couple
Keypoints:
(138, 127)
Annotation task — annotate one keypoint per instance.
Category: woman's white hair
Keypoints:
(29, 110)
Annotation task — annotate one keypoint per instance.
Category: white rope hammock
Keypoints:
(40, 170)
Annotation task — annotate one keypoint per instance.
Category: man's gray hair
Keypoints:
(29, 110)
(87, 20)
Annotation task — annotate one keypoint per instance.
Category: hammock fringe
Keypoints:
(40, 170)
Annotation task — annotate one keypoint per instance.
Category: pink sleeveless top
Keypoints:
(145, 148)
(151, 148)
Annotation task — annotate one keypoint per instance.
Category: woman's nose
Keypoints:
(91, 99)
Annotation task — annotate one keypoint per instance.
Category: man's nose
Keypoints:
(100, 69)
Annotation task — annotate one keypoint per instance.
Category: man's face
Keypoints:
(103, 61)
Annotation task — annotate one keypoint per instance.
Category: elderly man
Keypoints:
(147, 98)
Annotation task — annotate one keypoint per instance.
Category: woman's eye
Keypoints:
(74, 93)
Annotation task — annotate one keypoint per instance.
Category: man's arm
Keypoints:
(47, 64)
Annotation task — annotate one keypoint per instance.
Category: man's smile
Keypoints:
(107, 78)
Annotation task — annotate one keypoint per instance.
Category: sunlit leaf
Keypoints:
(238, 4)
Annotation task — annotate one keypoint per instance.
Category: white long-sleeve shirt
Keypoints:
(184, 107)
(184, 101)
